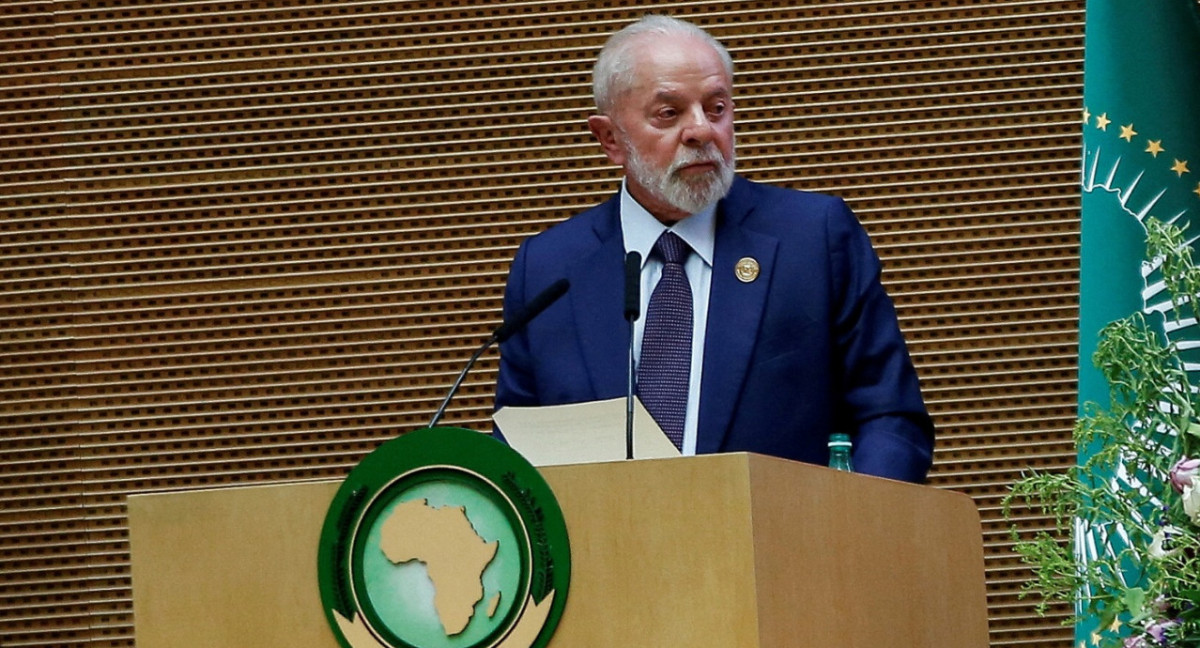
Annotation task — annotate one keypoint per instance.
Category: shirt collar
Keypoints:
(640, 229)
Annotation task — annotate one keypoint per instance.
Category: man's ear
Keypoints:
(605, 131)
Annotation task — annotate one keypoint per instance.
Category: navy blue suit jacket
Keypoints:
(810, 347)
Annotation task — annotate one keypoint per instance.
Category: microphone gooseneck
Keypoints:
(633, 307)
(506, 330)
(534, 308)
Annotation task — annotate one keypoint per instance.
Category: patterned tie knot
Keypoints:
(671, 248)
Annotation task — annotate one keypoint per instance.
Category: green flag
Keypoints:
(1141, 159)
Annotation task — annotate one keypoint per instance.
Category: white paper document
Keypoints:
(582, 433)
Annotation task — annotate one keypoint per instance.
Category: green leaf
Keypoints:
(1193, 428)
(1135, 601)
(1190, 614)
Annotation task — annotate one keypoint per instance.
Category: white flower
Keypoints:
(1191, 501)
(1160, 546)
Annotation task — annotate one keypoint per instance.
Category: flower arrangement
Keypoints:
(1132, 506)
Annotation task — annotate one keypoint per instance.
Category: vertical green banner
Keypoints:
(1141, 159)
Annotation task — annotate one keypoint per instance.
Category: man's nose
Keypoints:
(698, 131)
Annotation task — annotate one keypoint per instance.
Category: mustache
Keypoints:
(710, 154)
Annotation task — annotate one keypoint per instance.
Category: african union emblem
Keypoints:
(444, 538)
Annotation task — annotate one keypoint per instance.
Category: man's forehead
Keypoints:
(651, 47)
(657, 61)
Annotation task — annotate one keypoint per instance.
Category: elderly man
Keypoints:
(766, 327)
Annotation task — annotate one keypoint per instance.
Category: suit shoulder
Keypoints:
(580, 230)
(784, 206)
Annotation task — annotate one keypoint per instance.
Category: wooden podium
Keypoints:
(720, 551)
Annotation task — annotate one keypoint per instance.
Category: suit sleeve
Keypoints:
(881, 403)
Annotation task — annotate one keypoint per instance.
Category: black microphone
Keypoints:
(505, 331)
(633, 308)
(531, 310)
(633, 286)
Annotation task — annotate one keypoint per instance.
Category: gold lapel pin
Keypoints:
(746, 269)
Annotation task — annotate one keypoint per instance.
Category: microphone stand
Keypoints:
(458, 383)
(633, 306)
(629, 399)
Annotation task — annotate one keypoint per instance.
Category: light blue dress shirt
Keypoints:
(640, 230)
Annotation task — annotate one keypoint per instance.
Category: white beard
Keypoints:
(686, 194)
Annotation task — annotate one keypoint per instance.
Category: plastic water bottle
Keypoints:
(839, 452)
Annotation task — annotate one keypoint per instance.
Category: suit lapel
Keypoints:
(597, 305)
(735, 310)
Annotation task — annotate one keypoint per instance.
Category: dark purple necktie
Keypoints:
(666, 360)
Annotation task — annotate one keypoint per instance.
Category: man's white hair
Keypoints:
(614, 69)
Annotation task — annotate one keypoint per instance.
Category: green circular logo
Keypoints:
(444, 538)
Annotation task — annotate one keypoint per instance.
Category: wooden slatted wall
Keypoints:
(247, 242)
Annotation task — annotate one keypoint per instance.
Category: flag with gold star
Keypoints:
(1141, 159)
